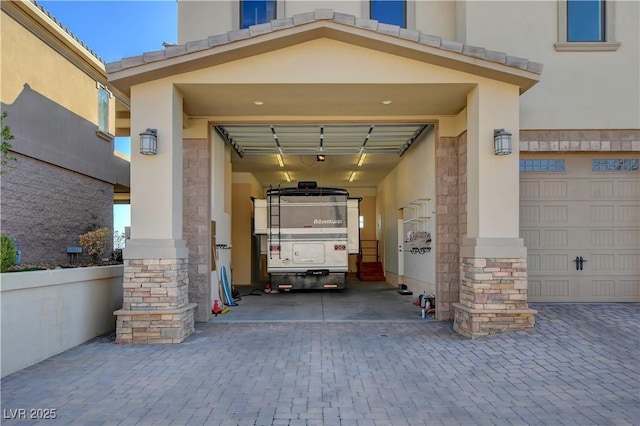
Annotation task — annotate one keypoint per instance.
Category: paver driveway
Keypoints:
(578, 366)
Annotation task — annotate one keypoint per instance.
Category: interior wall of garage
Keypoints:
(412, 179)
(221, 208)
(368, 212)
(244, 186)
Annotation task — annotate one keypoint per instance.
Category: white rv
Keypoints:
(309, 232)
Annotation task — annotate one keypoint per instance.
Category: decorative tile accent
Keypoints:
(626, 140)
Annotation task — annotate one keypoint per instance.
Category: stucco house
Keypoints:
(62, 112)
(254, 90)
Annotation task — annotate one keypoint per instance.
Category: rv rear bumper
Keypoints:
(310, 280)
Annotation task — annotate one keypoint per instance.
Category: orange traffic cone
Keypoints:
(216, 308)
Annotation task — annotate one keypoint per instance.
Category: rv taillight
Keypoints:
(339, 247)
(274, 248)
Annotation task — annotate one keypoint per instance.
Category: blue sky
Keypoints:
(114, 30)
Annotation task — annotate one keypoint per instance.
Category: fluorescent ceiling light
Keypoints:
(258, 102)
(387, 102)
(279, 157)
(287, 177)
(352, 177)
(361, 160)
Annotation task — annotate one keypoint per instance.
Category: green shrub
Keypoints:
(7, 253)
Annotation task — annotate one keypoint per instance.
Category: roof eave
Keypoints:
(228, 47)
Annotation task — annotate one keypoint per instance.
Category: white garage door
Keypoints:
(587, 207)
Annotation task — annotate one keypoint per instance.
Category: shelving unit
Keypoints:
(416, 217)
(420, 217)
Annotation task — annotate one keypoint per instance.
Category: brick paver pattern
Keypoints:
(579, 365)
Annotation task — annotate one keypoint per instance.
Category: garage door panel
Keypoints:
(578, 213)
(595, 289)
(586, 213)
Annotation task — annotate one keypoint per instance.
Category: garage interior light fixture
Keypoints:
(320, 158)
(280, 161)
(149, 142)
(501, 142)
(361, 159)
(352, 176)
(287, 177)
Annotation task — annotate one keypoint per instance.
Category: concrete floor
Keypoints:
(359, 301)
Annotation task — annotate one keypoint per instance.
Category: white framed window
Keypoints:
(395, 12)
(103, 110)
(586, 25)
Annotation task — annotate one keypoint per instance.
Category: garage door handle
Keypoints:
(580, 263)
(582, 260)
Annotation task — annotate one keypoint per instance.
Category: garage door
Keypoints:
(580, 221)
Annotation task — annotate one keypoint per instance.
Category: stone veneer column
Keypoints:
(447, 236)
(155, 306)
(493, 290)
(196, 222)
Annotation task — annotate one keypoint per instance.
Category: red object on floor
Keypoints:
(216, 308)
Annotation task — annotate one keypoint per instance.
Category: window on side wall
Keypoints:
(586, 25)
(103, 112)
(254, 12)
(392, 12)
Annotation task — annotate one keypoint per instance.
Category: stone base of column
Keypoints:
(160, 326)
(155, 299)
(474, 323)
(493, 288)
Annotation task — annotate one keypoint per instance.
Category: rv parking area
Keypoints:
(579, 365)
(359, 301)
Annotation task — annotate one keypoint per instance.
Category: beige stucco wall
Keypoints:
(492, 180)
(413, 178)
(221, 206)
(47, 312)
(578, 90)
(198, 20)
(525, 29)
(25, 56)
(244, 186)
(306, 63)
(436, 18)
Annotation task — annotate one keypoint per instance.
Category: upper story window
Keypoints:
(103, 112)
(585, 20)
(586, 25)
(254, 12)
(392, 12)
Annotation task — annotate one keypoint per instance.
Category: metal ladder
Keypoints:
(274, 222)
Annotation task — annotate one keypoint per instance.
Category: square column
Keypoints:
(156, 306)
(493, 259)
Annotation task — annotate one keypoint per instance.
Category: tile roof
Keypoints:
(66, 30)
(325, 15)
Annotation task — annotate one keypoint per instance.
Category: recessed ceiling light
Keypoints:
(387, 101)
(258, 102)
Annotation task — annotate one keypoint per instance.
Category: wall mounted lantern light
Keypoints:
(149, 142)
(501, 142)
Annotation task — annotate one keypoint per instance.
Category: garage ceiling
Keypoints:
(356, 155)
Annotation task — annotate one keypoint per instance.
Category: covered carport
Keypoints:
(217, 106)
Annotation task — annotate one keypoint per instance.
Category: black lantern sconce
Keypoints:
(501, 142)
(149, 142)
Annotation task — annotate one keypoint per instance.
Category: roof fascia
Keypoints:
(143, 71)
